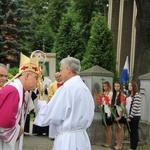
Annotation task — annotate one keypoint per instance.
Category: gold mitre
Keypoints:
(26, 64)
(29, 64)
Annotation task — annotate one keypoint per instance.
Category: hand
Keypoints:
(128, 120)
(20, 132)
(100, 107)
(118, 118)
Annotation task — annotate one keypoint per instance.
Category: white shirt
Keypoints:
(128, 104)
(71, 110)
(106, 108)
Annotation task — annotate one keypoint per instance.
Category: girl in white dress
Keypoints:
(106, 100)
(118, 100)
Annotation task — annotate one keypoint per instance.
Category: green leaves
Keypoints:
(68, 27)
(12, 31)
(99, 50)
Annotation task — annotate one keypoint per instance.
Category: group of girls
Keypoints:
(120, 109)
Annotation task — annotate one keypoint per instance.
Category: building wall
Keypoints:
(121, 22)
(50, 65)
(145, 109)
(114, 23)
(126, 32)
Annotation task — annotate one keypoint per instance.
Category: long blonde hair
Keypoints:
(108, 85)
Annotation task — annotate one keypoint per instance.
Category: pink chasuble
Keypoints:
(11, 116)
(9, 99)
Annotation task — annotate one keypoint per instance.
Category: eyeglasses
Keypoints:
(3, 75)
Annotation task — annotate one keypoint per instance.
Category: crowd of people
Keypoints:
(120, 109)
(67, 107)
(16, 101)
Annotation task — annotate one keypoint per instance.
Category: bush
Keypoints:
(10, 76)
(13, 71)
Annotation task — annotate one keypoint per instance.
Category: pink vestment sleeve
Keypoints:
(9, 99)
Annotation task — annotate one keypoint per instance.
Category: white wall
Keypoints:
(145, 93)
(50, 65)
(88, 81)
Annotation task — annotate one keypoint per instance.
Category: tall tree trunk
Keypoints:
(142, 51)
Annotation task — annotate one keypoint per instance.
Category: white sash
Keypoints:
(18, 85)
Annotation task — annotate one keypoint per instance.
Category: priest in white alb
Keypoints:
(71, 109)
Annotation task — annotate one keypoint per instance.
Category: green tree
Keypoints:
(55, 11)
(43, 38)
(100, 49)
(13, 31)
(69, 40)
(44, 18)
(85, 8)
(40, 29)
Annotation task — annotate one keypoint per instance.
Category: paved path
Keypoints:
(32, 142)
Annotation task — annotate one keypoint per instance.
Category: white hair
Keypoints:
(73, 63)
(2, 65)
